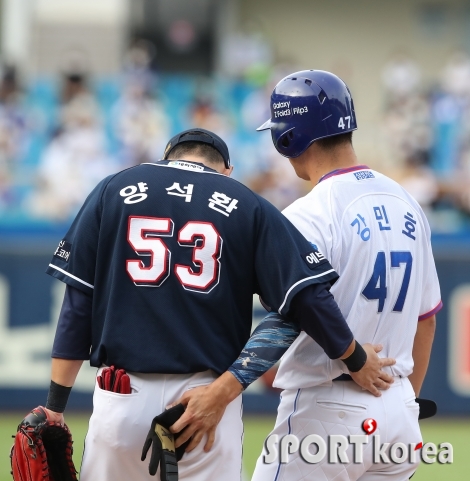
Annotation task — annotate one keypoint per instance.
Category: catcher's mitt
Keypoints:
(42, 450)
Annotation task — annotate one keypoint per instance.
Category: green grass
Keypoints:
(455, 431)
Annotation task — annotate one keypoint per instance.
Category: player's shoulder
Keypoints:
(183, 169)
(167, 173)
(300, 205)
(361, 180)
(317, 200)
(122, 174)
(392, 187)
(355, 175)
(309, 210)
(374, 183)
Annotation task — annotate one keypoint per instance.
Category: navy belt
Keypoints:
(343, 377)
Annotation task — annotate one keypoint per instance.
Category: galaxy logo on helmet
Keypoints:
(307, 106)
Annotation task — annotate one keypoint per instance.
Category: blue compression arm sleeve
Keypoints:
(268, 342)
(73, 334)
(313, 310)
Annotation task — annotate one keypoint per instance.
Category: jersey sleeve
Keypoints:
(73, 334)
(285, 262)
(74, 259)
(431, 300)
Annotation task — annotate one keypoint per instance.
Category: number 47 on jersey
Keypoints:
(376, 288)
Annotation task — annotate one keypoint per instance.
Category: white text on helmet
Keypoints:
(300, 110)
(281, 113)
(281, 105)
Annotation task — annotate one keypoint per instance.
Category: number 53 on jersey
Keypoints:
(145, 235)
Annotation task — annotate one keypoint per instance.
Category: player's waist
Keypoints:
(139, 379)
(347, 377)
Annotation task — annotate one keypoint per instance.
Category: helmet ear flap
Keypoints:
(285, 140)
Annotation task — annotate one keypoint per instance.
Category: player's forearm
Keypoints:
(268, 342)
(65, 371)
(63, 375)
(313, 309)
(226, 388)
(422, 352)
(349, 350)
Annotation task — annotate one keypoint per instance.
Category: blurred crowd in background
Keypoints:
(428, 131)
(59, 137)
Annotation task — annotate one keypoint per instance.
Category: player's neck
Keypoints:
(315, 162)
(219, 167)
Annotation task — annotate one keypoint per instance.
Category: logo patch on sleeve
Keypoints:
(63, 250)
(314, 258)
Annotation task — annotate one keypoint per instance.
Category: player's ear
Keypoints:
(228, 172)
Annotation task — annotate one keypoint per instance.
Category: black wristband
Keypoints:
(57, 397)
(355, 362)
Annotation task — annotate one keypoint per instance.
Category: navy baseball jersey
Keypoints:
(171, 253)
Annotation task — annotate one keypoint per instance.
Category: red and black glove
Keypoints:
(42, 450)
(114, 380)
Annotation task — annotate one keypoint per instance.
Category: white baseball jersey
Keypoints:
(377, 238)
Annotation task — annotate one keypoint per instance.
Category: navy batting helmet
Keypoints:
(307, 106)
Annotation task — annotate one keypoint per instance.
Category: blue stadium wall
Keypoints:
(30, 301)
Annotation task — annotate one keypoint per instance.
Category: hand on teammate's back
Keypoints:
(371, 376)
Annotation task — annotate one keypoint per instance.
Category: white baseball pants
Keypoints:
(120, 423)
(341, 408)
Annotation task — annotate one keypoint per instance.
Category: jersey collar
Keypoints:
(343, 171)
(180, 164)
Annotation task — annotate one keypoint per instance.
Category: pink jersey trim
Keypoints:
(344, 171)
(431, 313)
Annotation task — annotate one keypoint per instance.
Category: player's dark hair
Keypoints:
(211, 154)
(330, 143)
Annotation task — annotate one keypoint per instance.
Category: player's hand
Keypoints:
(205, 406)
(55, 417)
(371, 376)
(203, 413)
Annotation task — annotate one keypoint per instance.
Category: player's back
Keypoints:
(181, 263)
(378, 240)
(172, 253)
